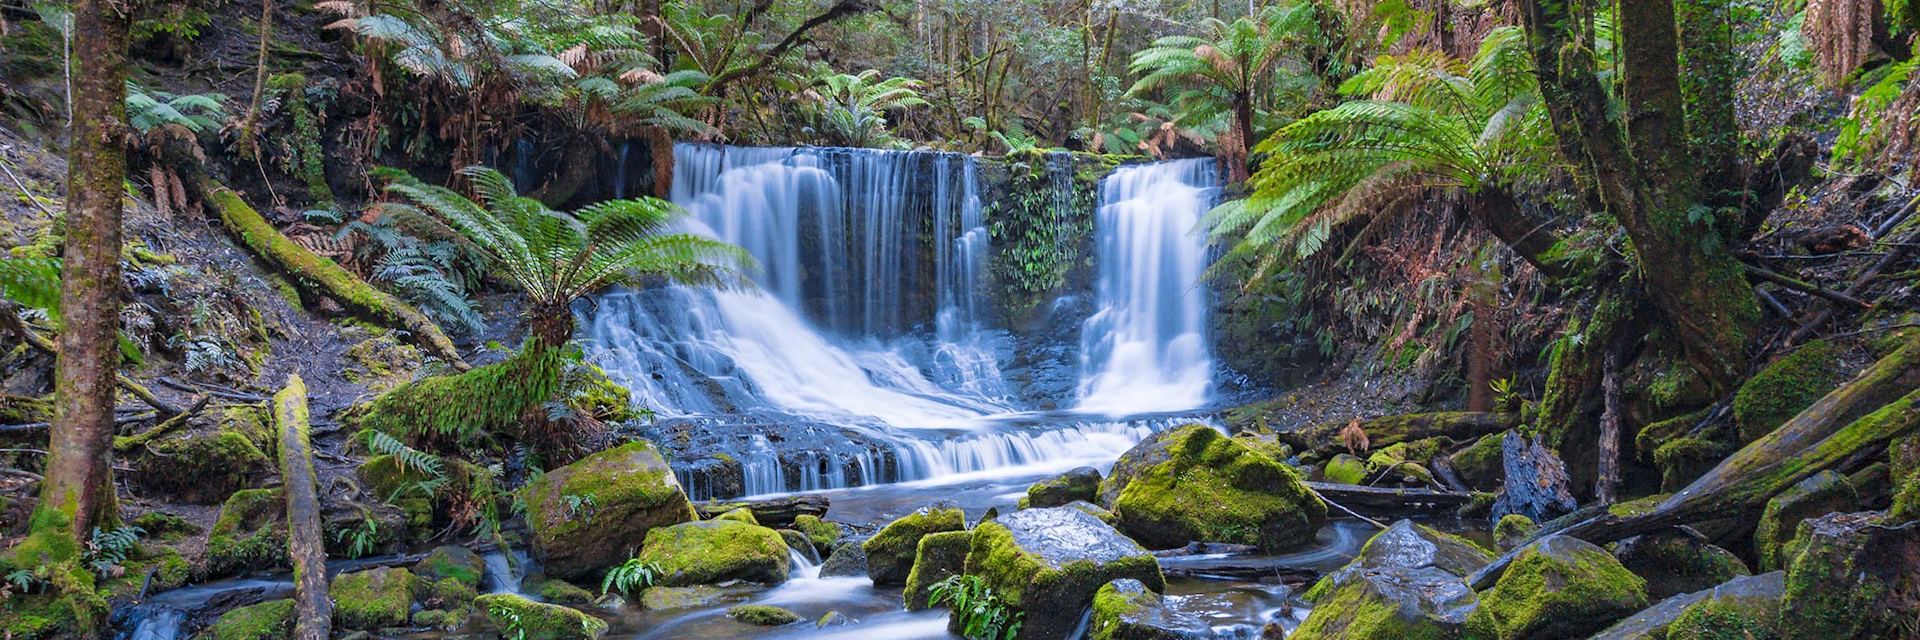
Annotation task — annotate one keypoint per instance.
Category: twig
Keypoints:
(1804, 286)
(1890, 327)
(1350, 512)
(161, 429)
(8, 167)
(22, 474)
(20, 450)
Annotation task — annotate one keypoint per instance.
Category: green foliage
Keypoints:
(1039, 229)
(1881, 124)
(430, 271)
(152, 111)
(107, 550)
(303, 156)
(361, 539)
(33, 283)
(852, 106)
(1255, 62)
(981, 614)
(465, 409)
(630, 578)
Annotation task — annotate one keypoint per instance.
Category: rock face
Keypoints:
(1126, 609)
(372, 599)
(714, 551)
(592, 514)
(1558, 587)
(1407, 582)
(1761, 592)
(890, 552)
(1826, 492)
(1537, 481)
(847, 560)
(539, 621)
(1048, 563)
(940, 555)
(1851, 575)
(1193, 484)
(1673, 563)
(1080, 483)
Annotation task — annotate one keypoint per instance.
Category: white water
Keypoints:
(1145, 350)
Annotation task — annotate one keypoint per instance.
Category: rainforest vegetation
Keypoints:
(990, 319)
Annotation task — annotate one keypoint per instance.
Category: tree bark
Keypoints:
(247, 144)
(1608, 483)
(78, 492)
(306, 544)
(1496, 210)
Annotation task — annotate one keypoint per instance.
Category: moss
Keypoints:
(634, 491)
(381, 362)
(1683, 460)
(1345, 469)
(467, 409)
(1513, 529)
(714, 551)
(1784, 388)
(201, 468)
(1903, 473)
(821, 533)
(1823, 493)
(741, 514)
(393, 482)
(161, 525)
(442, 619)
(268, 620)
(538, 621)
(246, 536)
(1674, 563)
(563, 592)
(1559, 587)
(372, 599)
(664, 598)
(451, 562)
(451, 593)
(1051, 592)
(1079, 484)
(1215, 489)
(938, 556)
(1479, 464)
(762, 615)
(1723, 619)
(1350, 611)
(890, 552)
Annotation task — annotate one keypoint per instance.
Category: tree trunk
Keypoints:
(306, 544)
(78, 492)
(1496, 210)
(248, 145)
(1324, 440)
(1238, 149)
(551, 327)
(660, 148)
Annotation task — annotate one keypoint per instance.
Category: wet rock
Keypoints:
(1557, 587)
(1674, 563)
(268, 620)
(1126, 609)
(1092, 510)
(824, 535)
(832, 619)
(1407, 582)
(538, 620)
(563, 592)
(1512, 530)
(446, 593)
(663, 598)
(1207, 487)
(939, 555)
(763, 615)
(587, 515)
(714, 551)
(1345, 469)
(710, 453)
(1049, 563)
(1851, 575)
(1537, 482)
(1761, 592)
(799, 543)
(847, 560)
(1823, 493)
(890, 552)
(442, 619)
(1080, 483)
(372, 599)
(449, 561)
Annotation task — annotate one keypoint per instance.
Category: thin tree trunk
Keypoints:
(1242, 143)
(1608, 481)
(306, 544)
(248, 145)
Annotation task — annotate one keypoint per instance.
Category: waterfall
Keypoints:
(1145, 350)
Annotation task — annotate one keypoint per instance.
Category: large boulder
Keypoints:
(592, 514)
(847, 560)
(1557, 587)
(1823, 493)
(249, 535)
(821, 534)
(1852, 575)
(373, 599)
(890, 552)
(1126, 609)
(1744, 593)
(1079, 483)
(517, 617)
(1206, 487)
(940, 555)
(1048, 563)
(1407, 582)
(714, 551)
(1673, 563)
(452, 562)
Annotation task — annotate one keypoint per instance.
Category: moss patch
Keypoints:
(713, 551)
(515, 616)
(939, 555)
(822, 534)
(247, 535)
(268, 620)
(890, 552)
(1559, 587)
(372, 599)
(1784, 388)
(762, 615)
(1211, 488)
(586, 515)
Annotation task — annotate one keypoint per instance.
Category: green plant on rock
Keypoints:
(1038, 229)
(107, 550)
(302, 155)
(630, 578)
(361, 539)
(981, 614)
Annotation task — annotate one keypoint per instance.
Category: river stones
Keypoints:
(1345, 469)
(372, 599)
(761, 615)
(1407, 582)
(1558, 587)
(939, 555)
(1126, 609)
(714, 551)
(1852, 575)
(538, 620)
(1674, 563)
(847, 560)
(890, 552)
(455, 562)
(1079, 483)
(822, 534)
(590, 514)
(1049, 563)
(1823, 493)
(1748, 593)
(1193, 484)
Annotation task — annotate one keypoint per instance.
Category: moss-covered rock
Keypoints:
(1406, 582)
(1479, 464)
(1080, 483)
(373, 599)
(1673, 563)
(847, 560)
(519, 617)
(1903, 474)
(664, 598)
(455, 562)
(1126, 609)
(762, 615)
(442, 619)
(563, 592)
(1344, 469)
(1513, 530)
(1823, 493)
(939, 555)
(202, 467)
(1746, 593)
(248, 534)
(1558, 587)
(799, 543)
(1784, 388)
(1851, 575)
(713, 551)
(1716, 619)
(1048, 563)
(270, 620)
(890, 552)
(741, 514)
(631, 491)
(824, 535)
(447, 593)
(393, 482)
(1210, 488)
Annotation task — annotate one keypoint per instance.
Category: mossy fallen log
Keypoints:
(1324, 439)
(306, 545)
(321, 276)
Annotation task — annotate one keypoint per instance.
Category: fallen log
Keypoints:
(770, 512)
(128, 443)
(1249, 568)
(321, 276)
(306, 546)
(127, 384)
(1324, 439)
(1390, 501)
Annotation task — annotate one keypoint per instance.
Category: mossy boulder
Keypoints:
(1479, 464)
(939, 555)
(562, 592)
(741, 514)
(1513, 530)
(1714, 619)
(249, 534)
(1673, 563)
(1851, 575)
(1557, 587)
(1210, 488)
(270, 620)
(393, 482)
(714, 551)
(373, 599)
(824, 535)
(664, 598)
(1684, 459)
(1759, 593)
(1126, 609)
(452, 562)
(445, 593)
(848, 559)
(799, 543)
(890, 552)
(202, 467)
(1344, 469)
(1823, 493)
(631, 491)
(442, 619)
(761, 615)
(537, 620)
(1080, 483)
(1048, 563)
(1784, 388)
(1407, 582)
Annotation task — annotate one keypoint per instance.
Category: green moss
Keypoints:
(1479, 464)
(538, 621)
(741, 514)
(161, 525)
(563, 592)
(450, 593)
(714, 551)
(1903, 473)
(1345, 469)
(1512, 529)
(1823, 493)
(1051, 594)
(381, 362)
(1215, 489)
(633, 491)
(762, 615)
(1351, 612)
(247, 535)
(1683, 460)
(890, 552)
(1559, 587)
(938, 556)
(394, 482)
(467, 409)
(451, 562)
(1078, 484)
(372, 599)
(442, 619)
(200, 468)
(1723, 619)
(268, 620)
(821, 533)
(1785, 387)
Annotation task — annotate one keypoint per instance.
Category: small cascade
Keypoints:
(505, 569)
(1146, 350)
(155, 622)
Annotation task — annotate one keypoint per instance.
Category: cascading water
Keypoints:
(1145, 350)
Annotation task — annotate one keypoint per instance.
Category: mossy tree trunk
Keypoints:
(306, 543)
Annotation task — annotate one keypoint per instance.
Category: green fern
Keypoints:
(33, 283)
(381, 443)
(630, 578)
(980, 613)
